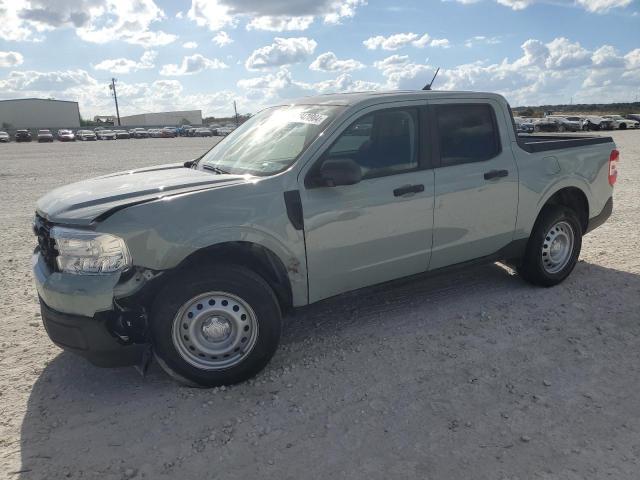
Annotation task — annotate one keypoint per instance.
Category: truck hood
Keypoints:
(83, 202)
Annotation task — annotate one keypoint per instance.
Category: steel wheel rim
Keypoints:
(557, 247)
(215, 331)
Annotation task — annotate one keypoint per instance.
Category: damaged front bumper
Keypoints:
(100, 317)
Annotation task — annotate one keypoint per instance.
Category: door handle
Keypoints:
(496, 174)
(400, 191)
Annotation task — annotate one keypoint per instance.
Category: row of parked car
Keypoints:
(559, 123)
(101, 133)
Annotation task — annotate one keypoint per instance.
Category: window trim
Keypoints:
(435, 131)
(422, 154)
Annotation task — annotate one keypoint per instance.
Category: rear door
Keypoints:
(380, 228)
(476, 181)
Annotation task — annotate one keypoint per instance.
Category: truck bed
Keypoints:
(541, 143)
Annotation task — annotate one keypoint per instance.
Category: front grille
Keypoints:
(42, 230)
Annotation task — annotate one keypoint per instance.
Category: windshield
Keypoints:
(270, 141)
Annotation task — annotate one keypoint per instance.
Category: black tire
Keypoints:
(236, 280)
(623, 126)
(532, 267)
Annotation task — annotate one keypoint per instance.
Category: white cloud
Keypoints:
(564, 54)
(440, 42)
(191, 65)
(221, 39)
(400, 40)
(394, 61)
(277, 15)
(190, 45)
(328, 62)
(607, 57)
(10, 59)
(283, 51)
(125, 65)
(32, 81)
(97, 21)
(481, 39)
(280, 24)
(594, 6)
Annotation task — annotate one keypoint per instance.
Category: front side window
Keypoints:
(381, 143)
(271, 141)
(467, 133)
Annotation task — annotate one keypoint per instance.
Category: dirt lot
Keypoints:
(468, 375)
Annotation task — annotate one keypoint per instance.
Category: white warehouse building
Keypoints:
(38, 113)
(186, 117)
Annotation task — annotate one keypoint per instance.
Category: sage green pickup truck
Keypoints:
(195, 264)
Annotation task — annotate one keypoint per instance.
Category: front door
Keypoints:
(476, 183)
(380, 228)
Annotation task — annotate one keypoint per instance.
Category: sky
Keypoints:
(206, 54)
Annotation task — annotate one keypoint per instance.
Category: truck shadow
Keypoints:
(85, 421)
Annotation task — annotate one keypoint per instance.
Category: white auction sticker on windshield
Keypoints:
(312, 118)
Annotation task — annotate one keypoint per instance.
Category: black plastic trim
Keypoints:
(293, 203)
(602, 217)
(543, 143)
(90, 338)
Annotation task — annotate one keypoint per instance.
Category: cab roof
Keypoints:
(354, 98)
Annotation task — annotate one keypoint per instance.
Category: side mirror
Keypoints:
(340, 171)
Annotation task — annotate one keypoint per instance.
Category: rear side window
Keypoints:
(467, 133)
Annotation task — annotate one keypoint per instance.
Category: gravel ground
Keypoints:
(472, 374)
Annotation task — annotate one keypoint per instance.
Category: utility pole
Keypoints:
(112, 87)
(236, 110)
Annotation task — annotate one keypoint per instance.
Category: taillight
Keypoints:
(613, 166)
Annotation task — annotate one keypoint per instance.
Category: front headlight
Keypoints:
(81, 251)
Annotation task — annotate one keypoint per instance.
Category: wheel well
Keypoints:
(576, 200)
(255, 257)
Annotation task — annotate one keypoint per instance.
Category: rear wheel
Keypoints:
(553, 248)
(216, 327)
(623, 126)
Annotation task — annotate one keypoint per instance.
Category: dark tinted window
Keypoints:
(382, 143)
(467, 133)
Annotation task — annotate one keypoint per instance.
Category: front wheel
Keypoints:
(553, 248)
(215, 327)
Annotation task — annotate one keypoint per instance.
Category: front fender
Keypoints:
(163, 233)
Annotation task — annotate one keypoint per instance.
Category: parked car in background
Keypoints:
(139, 133)
(523, 125)
(593, 122)
(200, 260)
(65, 135)
(23, 136)
(224, 131)
(203, 132)
(634, 116)
(122, 134)
(86, 135)
(45, 135)
(621, 123)
(167, 132)
(565, 124)
(182, 130)
(545, 125)
(106, 135)
(4, 137)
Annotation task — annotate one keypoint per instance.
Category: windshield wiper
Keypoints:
(217, 170)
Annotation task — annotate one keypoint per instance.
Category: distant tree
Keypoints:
(7, 126)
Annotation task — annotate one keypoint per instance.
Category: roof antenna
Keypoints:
(428, 85)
